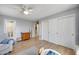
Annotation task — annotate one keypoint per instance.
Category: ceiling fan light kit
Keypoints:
(28, 11)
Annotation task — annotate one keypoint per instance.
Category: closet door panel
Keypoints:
(66, 31)
(69, 31)
(45, 30)
(59, 31)
(52, 30)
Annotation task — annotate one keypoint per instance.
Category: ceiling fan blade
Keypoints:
(16, 7)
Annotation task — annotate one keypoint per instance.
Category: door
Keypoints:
(43, 26)
(68, 31)
(10, 28)
(62, 31)
(52, 30)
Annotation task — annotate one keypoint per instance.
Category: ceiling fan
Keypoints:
(23, 9)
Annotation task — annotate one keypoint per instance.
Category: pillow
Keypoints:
(5, 41)
(49, 52)
(3, 36)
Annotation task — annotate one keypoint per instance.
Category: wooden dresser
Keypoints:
(25, 36)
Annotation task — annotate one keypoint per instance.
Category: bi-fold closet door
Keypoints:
(59, 30)
(62, 31)
(43, 30)
(52, 30)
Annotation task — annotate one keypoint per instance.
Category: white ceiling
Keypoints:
(39, 10)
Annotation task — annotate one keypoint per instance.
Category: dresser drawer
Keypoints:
(25, 36)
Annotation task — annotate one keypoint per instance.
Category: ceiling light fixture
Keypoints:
(26, 12)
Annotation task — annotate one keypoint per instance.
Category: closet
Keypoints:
(59, 30)
(62, 31)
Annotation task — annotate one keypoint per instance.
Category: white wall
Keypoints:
(1, 25)
(77, 26)
(21, 25)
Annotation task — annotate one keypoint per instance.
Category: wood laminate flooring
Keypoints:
(21, 45)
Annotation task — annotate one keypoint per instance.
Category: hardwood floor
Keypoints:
(19, 46)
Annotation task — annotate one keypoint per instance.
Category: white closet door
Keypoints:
(52, 30)
(44, 30)
(62, 31)
(67, 31)
(59, 32)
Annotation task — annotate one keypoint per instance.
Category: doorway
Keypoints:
(10, 28)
